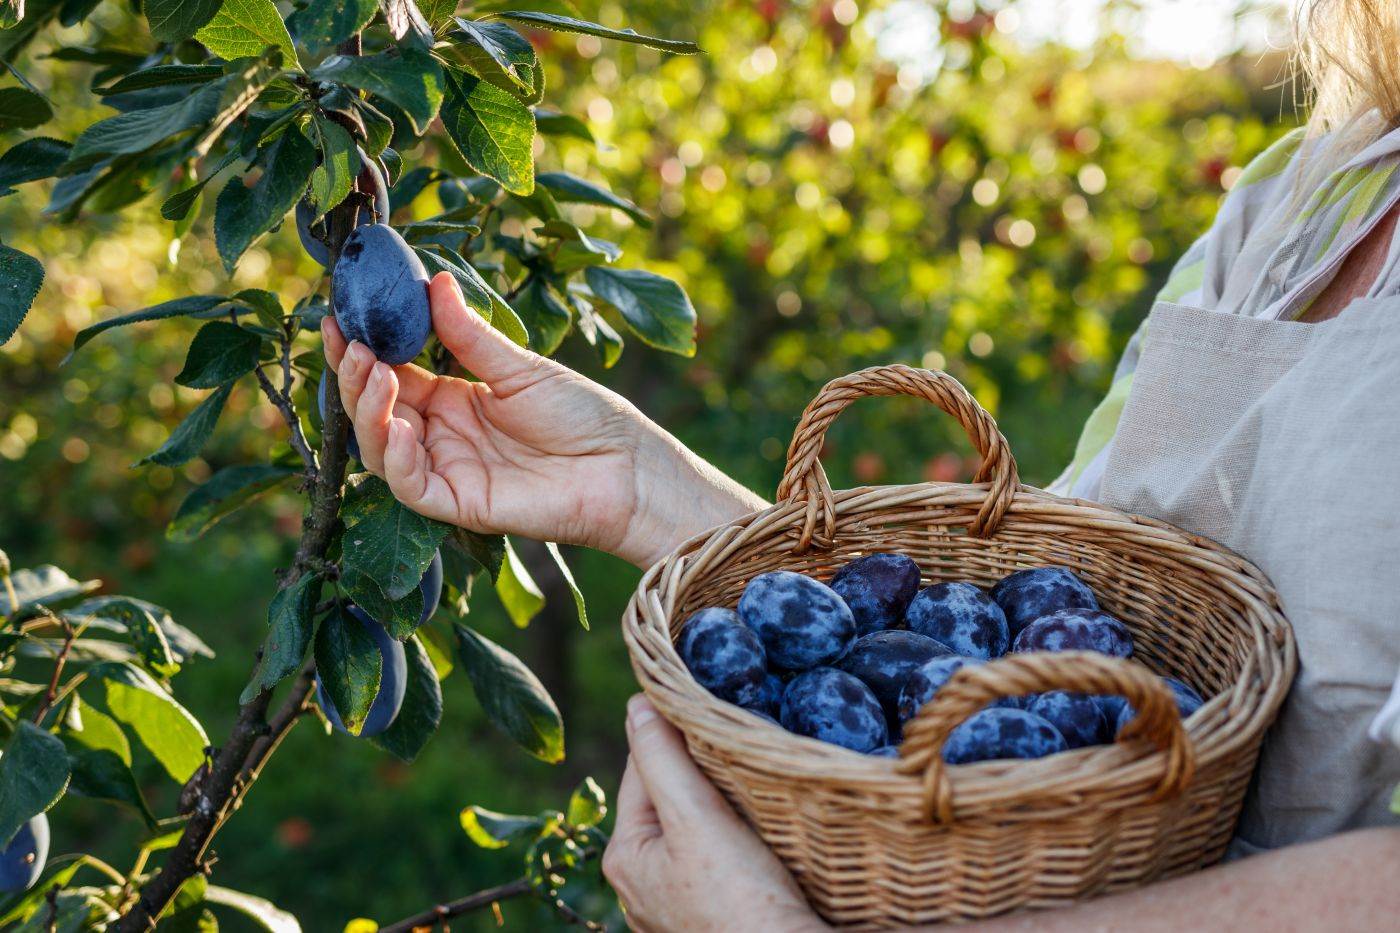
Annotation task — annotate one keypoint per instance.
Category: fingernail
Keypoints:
(379, 375)
(357, 353)
(639, 711)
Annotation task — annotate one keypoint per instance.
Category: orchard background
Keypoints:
(989, 201)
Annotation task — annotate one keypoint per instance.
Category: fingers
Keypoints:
(683, 797)
(483, 350)
(333, 341)
(372, 413)
(407, 471)
(631, 851)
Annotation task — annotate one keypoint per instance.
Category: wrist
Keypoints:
(677, 495)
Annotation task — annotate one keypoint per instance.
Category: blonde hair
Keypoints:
(1347, 53)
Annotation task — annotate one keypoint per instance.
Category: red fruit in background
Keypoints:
(944, 468)
(1212, 169)
(817, 132)
(868, 467)
(1044, 95)
(770, 10)
(937, 139)
(295, 832)
(758, 253)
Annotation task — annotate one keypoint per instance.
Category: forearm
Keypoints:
(1345, 882)
(678, 495)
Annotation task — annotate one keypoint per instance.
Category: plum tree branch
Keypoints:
(282, 401)
(69, 636)
(440, 912)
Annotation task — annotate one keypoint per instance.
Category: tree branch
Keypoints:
(282, 401)
(435, 915)
(69, 636)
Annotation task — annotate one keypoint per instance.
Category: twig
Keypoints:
(9, 587)
(69, 636)
(282, 401)
(435, 915)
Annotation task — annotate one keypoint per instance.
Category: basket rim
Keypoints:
(1128, 771)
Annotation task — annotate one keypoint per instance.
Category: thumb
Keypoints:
(682, 795)
(483, 350)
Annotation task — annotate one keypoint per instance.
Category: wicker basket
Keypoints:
(878, 842)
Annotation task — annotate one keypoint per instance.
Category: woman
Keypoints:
(1256, 406)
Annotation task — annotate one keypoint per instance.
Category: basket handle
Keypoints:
(805, 481)
(973, 687)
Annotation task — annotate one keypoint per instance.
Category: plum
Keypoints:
(393, 680)
(802, 623)
(1187, 702)
(878, 588)
(1078, 716)
(884, 661)
(431, 587)
(1026, 595)
(1076, 630)
(379, 290)
(833, 706)
(22, 861)
(961, 616)
(1002, 733)
(725, 656)
(351, 445)
(770, 698)
(308, 224)
(925, 682)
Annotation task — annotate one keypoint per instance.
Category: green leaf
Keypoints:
(385, 540)
(494, 131)
(263, 913)
(45, 585)
(569, 579)
(107, 612)
(31, 160)
(163, 76)
(492, 830)
(139, 130)
(33, 775)
(438, 12)
(178, 307)
(22, 109)
(569, 24)
(479, 295)
(405, 19)
(408, 78)
(512, 695)
(11, 12)
(554, 123)
(146, 636)
(400, 617)
(190, 435)
(421, 713)
(502, 56)
(577, 250)
(333, 178)
(588, 805)
(489, 551)
(265, 304)
(100, 757)
(177, 20)
(226, 491)
(221, 352)
(654, 307)
(596, 331)
(245, 27)
(544, 315)
(349, 664)
(291, 621)
(173, 737)
(517, 590)
(324, 23)
(574, 190)
(21, 276)
(242, 214)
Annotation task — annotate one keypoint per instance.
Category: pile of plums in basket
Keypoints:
(853, 661)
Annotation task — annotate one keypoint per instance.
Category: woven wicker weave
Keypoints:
(878, 842)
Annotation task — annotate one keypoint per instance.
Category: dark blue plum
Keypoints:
(312, 230)
(431, 587)
(1078, 716)
(878, 588)
(22, 861)
(833, 706)
(393, 680)
(1111, 705)
(379, 290)
(884, 662)
(961, 616)
(1076, 630)
(803, 623)
(352, 445)
(1187, 702)
(725, 656)
(1026, 595)
(1002, 733)
(884, 751)
(770, 697)
(925, 682)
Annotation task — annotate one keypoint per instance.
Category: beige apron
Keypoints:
(1281, 440)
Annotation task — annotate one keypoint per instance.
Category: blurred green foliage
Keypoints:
(999, 209)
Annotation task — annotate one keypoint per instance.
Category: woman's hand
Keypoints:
(680, 858)
(533, 448)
